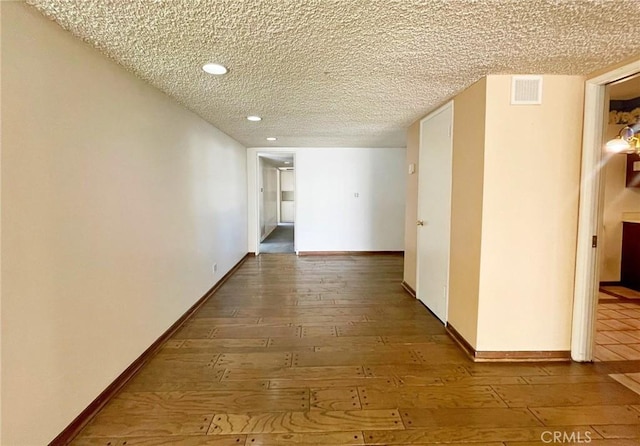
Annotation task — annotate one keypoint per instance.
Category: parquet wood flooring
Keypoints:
(332, 351)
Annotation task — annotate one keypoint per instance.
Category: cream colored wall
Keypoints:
(411, 209)
(115, 203)
(529, 223)
(466, 209)
(617, 199)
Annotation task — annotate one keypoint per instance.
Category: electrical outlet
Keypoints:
(214, 268)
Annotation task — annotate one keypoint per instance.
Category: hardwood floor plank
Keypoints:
(335, 398)
(565, 379)
(485, 417)
(328, 383)
(147, 425)
(312, 421)
(307, 439)
(583, 439)
(567, 394)
(254, 360)
(618, 430)
(309, 373)
(496, 369)
(579, 415)
(250, 331)
(418, 339)
(318, 359)
(172, 386)
(429, 397)
(353, 341)
(173, 440)
(461, 435)
(476, 380)
(211, 401)
(418, 370)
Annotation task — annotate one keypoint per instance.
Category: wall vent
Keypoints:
(526, 90)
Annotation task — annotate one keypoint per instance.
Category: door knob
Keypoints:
(420, 223)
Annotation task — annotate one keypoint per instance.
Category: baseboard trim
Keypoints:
(506, 356)
(461, 341)
(408, 289)
(350, 253)
(74, 428)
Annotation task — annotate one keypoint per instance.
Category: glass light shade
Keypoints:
(618, 145)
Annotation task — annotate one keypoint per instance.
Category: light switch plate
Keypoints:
(412, 168)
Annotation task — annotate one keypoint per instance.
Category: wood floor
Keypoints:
(331, 351)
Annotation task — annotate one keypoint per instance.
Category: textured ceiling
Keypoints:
(343, 72)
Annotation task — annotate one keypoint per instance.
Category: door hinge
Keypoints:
(594, 241)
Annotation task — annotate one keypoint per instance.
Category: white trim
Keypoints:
(590, 212)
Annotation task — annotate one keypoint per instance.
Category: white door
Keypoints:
(434, 210)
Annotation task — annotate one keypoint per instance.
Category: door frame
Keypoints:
(256, 225)
(587, 281)
(441, 109)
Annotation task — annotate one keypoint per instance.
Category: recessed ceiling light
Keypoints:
(214, 68)
(272, 138)
(287, 162)
(254, 118)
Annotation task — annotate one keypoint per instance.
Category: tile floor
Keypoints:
(618, 336)
(617, 329)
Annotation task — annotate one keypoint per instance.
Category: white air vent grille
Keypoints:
(526, 90)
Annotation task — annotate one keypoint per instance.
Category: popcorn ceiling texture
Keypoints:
(350, 73)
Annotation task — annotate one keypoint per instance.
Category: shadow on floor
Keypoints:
(279, 241)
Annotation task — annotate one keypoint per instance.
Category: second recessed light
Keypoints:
(214, 68)
(272, 138)
(254, 118)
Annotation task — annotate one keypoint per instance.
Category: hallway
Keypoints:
(331, 351)
(280, 240)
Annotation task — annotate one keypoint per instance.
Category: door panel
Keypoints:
(434, 210)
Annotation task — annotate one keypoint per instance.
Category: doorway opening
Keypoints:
(617, 328)
(276, 203)
(597, 227)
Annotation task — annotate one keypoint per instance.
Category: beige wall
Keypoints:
(411, 209)
(516, 172)
(530, 214)
(115, 203)
(466, 209)
(617, 199)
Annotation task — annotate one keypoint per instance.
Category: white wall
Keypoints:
(618, 199)
(268, 198)
(328, 215)
(287, 184)
(115, 203)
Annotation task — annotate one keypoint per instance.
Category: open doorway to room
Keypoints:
(618, 312)
(276, 199)
(602, 211)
